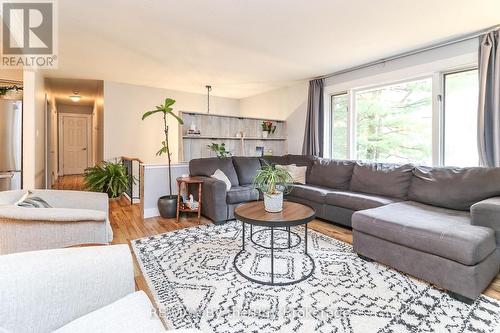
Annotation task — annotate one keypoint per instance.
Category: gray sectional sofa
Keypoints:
(438, 224)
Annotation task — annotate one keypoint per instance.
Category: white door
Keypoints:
(75, 141)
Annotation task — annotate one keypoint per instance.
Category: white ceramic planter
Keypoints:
(273, 203)
(265, 134)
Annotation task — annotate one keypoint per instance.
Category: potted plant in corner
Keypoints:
(167, 204)
(107, 177)
(273, 183)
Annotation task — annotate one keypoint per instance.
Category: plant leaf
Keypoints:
(147, 114)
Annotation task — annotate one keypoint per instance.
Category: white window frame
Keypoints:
(438, 92)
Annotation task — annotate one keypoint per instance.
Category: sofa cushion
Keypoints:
(455, 188)
(301, 160)
(129, 314)
(207, 166)
(335, 174)
(239, 194)
(392, 180)
(443, 232)
(310, 192)
(246, 168)
(357, 201)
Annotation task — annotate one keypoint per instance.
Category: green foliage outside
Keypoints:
(394, 123)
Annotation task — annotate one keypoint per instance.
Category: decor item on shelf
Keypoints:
(193, 133)
(219, 149)
(273, 182)
(268, 152)
(238, 135)
(107, 177)
(167, 204)
(267, 128)
(193, 130)
(259, 151)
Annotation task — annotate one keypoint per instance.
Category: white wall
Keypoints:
(52, 137)
(78, 109)
(125, 134)
(288, 104)
(97, 125)
(33, 130)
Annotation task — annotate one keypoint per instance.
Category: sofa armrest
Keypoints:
(51, 214)
(213, 202)
(43, 290)
(74, 199)
(486, 213)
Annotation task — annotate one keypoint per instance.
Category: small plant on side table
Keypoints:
(273, 183)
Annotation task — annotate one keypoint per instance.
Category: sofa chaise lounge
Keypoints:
(439, 224)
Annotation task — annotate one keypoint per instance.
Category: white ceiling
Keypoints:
(245, 47)
(61, 89)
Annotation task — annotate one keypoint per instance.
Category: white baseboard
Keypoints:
(151, 212)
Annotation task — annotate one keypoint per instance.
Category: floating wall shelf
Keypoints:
(223, 129)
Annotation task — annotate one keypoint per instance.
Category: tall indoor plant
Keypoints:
(273, 182)
(167, 205)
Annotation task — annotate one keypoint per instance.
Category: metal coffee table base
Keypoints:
(273, 230)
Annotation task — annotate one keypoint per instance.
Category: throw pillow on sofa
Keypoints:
(298, 173)
(31, 201)
(218, 174)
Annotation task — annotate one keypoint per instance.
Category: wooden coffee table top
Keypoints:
(292, 214)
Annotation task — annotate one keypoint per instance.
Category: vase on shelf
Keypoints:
(265, 134)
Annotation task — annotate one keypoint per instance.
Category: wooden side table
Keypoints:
(182, 207)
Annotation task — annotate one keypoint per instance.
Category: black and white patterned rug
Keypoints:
(191, 275)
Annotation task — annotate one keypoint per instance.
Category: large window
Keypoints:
(394, 123)
(460, 118)
(428, 121)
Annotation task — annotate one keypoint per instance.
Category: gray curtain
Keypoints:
(489, 100)
(313, 136)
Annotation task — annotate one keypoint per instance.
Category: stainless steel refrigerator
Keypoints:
(11, 112)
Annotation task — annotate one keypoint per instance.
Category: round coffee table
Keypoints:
(293, 214)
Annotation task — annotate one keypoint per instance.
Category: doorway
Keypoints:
(75, 143)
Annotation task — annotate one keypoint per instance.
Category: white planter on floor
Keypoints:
(273, 203)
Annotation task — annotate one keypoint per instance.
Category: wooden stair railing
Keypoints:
(128, 162)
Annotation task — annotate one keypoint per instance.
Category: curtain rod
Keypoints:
(456, 40)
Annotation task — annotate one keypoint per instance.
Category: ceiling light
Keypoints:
(75, 97)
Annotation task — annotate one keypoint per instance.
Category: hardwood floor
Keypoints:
(128, 224)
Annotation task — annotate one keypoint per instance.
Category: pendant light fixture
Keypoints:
(209, 89)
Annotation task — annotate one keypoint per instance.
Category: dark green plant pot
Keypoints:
(167, 206)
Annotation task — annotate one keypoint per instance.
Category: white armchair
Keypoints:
(89, 289)
(76, 218)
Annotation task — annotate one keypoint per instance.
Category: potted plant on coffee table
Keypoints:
(167, 204)
(273, 182)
